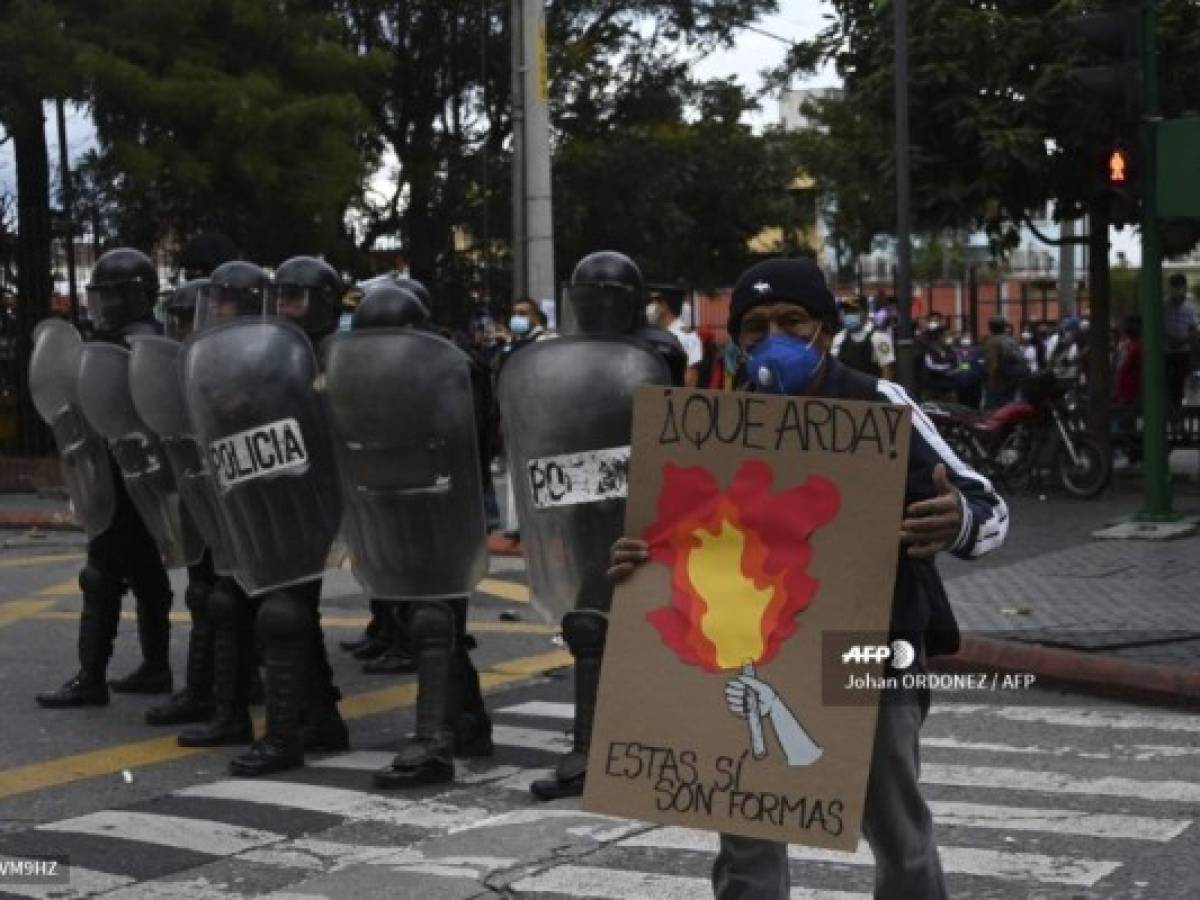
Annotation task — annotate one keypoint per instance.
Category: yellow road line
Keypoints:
(68, 588)
(16, 610)
(347, 622)
(110, 760)
(509, 590)
(39, 560)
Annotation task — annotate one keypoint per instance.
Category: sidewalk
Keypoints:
(1121, 618)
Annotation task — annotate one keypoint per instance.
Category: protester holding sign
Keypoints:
(784, 318)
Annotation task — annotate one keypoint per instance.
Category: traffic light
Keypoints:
(1118, 168)
(1111, 39)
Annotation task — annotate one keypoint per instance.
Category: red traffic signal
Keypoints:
(1118, 167)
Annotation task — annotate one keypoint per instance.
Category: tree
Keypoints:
(445, 114)
(243, 118)
(999, 130)
(683, 198)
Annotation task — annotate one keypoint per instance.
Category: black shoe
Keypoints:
(148, 678)
(226, 729)
(79, 691)
(396, 661)
(266, 757)
(372, 649)
(327, 735)
(424, 761)
(183, 708)
(358, 644)
(473, 736)
(567, 781)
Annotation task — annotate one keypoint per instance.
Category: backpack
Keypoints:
(1013, 365)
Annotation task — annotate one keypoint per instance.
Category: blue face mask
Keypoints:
(853, 321)
(780, 364)
(519, 324)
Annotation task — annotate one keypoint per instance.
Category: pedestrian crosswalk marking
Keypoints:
(1121, 752)
(1076, 717)
(1003, 864)
(540, 708)
(213, 838)
(1057, 821)
(531, 739)
(616, 884)
(84, 883)
(444, 815)
(1059, 783)
(353, 805)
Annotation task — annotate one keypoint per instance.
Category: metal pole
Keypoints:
(904, 327)
(519, 283)
(68, 204)
(1157, 471)
(1066, 269)
(539, 244)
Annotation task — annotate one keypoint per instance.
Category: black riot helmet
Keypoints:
(418, 289)
(123, 290)
(181, 308)
(202, 253)
(605, 295)
(234, 289)
(307, 291)
(668, 347)
(390, 306)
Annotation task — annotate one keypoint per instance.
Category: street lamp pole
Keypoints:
(904, 325)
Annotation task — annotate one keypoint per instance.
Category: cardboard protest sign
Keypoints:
(772, 521)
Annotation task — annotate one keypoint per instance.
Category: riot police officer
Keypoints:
(122, 553)
(235, 288)
(251, 388)
(575, 396)
(414, 523)
(157, 394)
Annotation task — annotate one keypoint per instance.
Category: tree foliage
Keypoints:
(999, 130)
(242, 117)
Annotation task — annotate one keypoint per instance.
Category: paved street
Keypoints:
(1038, 794)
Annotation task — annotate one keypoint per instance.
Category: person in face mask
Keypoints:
(783, 316)
(861, 345)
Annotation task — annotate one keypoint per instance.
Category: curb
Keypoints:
(37, 518)
(1091, 673)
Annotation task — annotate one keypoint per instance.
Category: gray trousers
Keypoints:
(896, 822)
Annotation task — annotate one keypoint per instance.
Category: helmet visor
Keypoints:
(600, 309)
(217, 303)
(315, 310)
(113, 306)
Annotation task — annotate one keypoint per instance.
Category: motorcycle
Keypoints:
(1018, 444)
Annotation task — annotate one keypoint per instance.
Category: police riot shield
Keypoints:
(566, 408)
(250, 389)
(403, 418)
(157, 388)
(107, 403)
(53, 382)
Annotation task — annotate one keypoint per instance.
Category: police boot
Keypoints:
(398, 659)
(324, 729)
(429, 757)
(97, 631)
(285, 632)
(195, 702)
(233, 659)
(369, 633)
(584, 631)
(153, 676)
(468, 716)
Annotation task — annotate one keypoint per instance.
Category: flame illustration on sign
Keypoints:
(738, 561)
